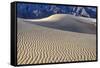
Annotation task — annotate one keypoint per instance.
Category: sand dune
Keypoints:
(38, 44)
(67, 22)
(57, 17)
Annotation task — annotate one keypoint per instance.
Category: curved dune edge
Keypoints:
(37, 44)
(66, 22)
(58, 17)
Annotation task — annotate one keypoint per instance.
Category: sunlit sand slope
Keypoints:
(38, 44)
(67, 22)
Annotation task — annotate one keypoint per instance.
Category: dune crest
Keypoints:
(57, 17)
(67, 22)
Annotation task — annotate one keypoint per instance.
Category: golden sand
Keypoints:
(37, 44)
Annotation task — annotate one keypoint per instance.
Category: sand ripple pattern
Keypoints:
(45, 45)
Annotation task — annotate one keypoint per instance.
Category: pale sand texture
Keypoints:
(66, 22)
(38, 44)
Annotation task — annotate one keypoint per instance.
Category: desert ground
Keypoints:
(58, 38)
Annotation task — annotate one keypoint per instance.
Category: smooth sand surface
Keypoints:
(67, 22)
(38, 44)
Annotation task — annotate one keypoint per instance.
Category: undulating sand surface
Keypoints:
(38, 44)
(67, 22)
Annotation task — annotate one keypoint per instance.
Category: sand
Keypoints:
(67, 22)
(41, 44)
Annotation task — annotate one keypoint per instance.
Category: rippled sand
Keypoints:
(38, 44)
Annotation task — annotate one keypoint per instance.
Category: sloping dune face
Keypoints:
(68, 23)
(38, 44)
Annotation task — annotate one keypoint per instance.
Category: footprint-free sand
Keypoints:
(38, 44)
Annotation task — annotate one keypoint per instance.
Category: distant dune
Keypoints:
(58, 38)
(67, 22)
